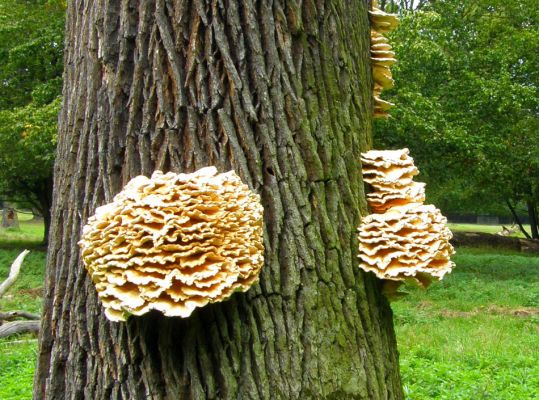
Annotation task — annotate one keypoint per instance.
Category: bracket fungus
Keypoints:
(382, 57)
(174, 242)
(404, 239)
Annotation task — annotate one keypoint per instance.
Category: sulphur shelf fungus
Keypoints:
(382, 57)
(174, 242)
(391, 174)
(404, 239)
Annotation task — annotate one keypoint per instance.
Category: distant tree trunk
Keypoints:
(10, 219)
(279, 91)
(44, 205)
(516, 218)
(532, 214)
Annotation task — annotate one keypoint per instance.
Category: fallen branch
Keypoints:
(12, 328)
(13, 315)
(13, 273)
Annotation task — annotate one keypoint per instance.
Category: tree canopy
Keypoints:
(467, 102)
(31, 66)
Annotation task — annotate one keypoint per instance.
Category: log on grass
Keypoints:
(13, 273)
(13, 315)
(480, 239)
(12, 328)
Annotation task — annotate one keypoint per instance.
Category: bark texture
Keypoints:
(279, 91)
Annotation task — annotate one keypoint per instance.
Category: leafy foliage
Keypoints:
(27, 146)
(31, 65)
(31, 52)
(467, 104)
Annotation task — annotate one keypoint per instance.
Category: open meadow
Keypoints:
(473, 336)
(18, 353)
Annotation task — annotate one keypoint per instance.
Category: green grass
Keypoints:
(17, 363)
(25, 216)
(18, 353)
(474, 335)
(485, 228)
(28, 235)
(25, 294)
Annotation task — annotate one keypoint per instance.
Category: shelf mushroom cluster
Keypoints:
(404, 239)
(382, 57)
(174, 242)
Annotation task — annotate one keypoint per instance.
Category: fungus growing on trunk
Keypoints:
(391, 174)
(381, 57)
(403, 240)
(174, 242)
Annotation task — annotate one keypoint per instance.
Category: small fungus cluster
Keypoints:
(174, 242)
(404, 239)
(382, 57)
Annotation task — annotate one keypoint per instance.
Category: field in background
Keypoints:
(18, 353)
(486, 228)
(472, 336)
(28, 235)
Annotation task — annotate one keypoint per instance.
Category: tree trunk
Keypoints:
(46, 226)
(532, 214)
(516, 218)
(10, 219)
(279, 91)
(45, 201)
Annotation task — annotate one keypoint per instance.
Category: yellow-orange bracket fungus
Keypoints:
(404, 239)
(382, 57)
(174, 242)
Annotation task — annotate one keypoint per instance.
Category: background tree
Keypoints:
(281, 93)
(467, 102)
(31, 52)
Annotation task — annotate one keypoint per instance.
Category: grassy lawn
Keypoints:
(18, 353)
(473, 336)
(485, 228)
(28, 235)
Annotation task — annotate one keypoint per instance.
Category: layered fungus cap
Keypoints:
(403, 240)
(409, 242)
(391, 175)
(382, 57)
(174, 242)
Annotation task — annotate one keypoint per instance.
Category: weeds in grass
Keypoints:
(474, 335)
(28, 235)
(18, 353)
(17, 363)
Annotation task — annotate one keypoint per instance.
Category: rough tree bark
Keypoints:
(279, 91)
